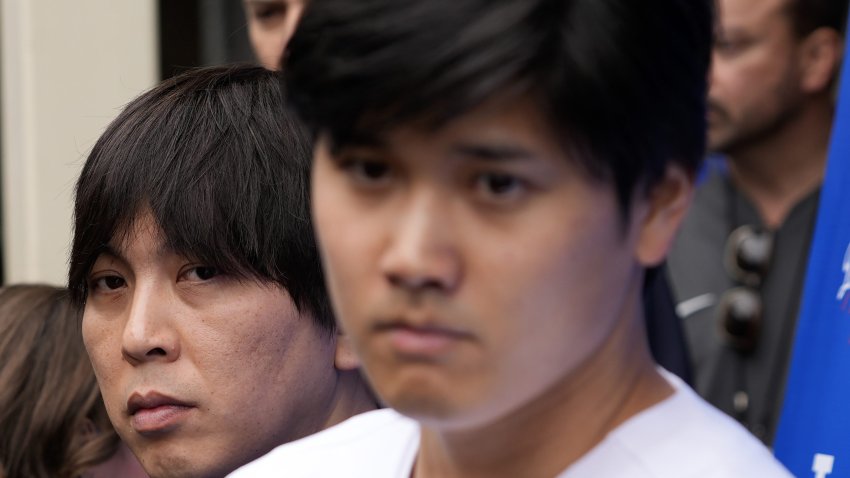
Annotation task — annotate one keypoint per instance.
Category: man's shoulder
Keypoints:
(684, 436)
(381, 443)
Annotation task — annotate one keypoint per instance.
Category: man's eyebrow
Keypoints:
(734, 31)
(111, 251)
(263, 2)
(492, 152)
(162, 250)
(364, 140)
(358, 141)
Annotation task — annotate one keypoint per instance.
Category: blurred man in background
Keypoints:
(270, 25)
(738, 265)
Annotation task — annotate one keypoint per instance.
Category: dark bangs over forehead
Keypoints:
(222, 167)
(621, 81)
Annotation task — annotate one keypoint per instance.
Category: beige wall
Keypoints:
(67, 68)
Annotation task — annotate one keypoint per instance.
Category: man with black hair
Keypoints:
(738, 265)
(271, 24)
(204, 308)
(492, 179)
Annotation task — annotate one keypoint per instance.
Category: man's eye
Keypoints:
(729, 47)
(108, 283)
(367, 171)
(201, 273)
(269, 11)
(499, 185)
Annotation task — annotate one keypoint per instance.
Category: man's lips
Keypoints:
(154, 412)
(715, 113)
(423, 341)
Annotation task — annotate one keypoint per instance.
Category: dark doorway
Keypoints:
(196, 33)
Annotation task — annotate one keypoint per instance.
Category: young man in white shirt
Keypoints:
(491, 180)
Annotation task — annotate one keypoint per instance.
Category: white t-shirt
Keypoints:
(679, 437)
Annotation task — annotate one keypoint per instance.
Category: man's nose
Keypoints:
(421, 253)
(715, 71)
(149, 333)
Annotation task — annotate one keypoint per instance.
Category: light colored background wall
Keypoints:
(67, 69)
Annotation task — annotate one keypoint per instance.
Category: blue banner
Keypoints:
(813, 438)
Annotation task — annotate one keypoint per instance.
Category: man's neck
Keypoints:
(555, 430)
(351, 396)
(778, 172)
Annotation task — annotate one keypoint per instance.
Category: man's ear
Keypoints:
(345, 358)
(662, 212)
(820, 57)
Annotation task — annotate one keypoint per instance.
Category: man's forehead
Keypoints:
(142, 231)
(509, 104)
(747, 15)
(502, 123)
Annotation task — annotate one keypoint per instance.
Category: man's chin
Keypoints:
(442, 413)
(422, 407)
(718, 142)
(179, 465)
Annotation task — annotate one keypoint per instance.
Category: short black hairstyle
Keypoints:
(223, 168)
(622, 82)
(809, 15)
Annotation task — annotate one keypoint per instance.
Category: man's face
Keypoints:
(755, 78)
(473, 267)
(200, 372)
(271, 24)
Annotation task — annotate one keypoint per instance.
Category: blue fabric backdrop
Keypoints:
(813, 438)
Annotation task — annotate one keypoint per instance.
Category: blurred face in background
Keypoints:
(270, 26)
(756, 73)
